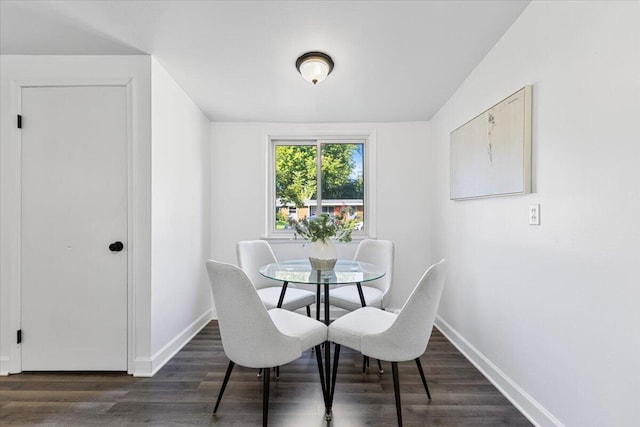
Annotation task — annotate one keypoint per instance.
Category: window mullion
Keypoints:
(318, 177)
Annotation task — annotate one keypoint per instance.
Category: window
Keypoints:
(310, 176)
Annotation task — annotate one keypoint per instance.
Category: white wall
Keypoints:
(180, 295)
(61, 70)
(238, 191)
(551, 313)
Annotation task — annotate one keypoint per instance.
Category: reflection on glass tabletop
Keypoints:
(300, 271)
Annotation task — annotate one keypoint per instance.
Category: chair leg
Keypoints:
(276, 370)
(424, 380)
(365, 365)
(324, 385)
(224, 384)
(308, 311)
(265, 396)
(327, 373)
(396, 391)
(336, 359)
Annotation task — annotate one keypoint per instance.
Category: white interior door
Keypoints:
(74, 205)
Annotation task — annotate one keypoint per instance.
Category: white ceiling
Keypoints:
(394, 60)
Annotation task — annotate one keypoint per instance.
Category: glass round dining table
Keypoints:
(344, 272)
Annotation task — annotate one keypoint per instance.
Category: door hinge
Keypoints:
(19, 336)
(19, 121)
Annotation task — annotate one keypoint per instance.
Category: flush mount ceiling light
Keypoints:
(314, 66)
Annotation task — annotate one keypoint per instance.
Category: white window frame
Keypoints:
(366, 138)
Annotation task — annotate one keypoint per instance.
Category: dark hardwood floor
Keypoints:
(183, 393)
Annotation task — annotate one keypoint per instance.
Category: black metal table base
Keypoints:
(327, 380)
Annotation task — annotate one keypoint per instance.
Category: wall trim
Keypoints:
(4, 366)
(146, 367)
(142, 367)
(526, 404)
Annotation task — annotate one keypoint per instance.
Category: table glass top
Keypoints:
(300, 271)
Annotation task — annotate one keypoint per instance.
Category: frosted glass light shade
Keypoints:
(314, 66)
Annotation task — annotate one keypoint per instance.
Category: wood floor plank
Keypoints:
(184, 391)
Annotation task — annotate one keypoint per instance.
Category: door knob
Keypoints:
(116, 247)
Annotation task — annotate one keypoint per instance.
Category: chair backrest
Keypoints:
(253, 254)
(249, 336)
(378, 252)
(408, 336)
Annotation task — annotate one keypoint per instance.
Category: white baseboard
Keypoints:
(4, 366)
(145, 367)
(526, 404)
(142, 367)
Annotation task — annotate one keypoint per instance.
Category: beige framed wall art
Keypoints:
(491, 153)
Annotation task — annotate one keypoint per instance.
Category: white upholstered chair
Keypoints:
(393, 337)
(376, 293)
(254, 337)
(253, 254)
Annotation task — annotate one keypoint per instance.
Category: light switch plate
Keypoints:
(534, 214)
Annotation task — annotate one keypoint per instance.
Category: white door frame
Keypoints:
(13, 235)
